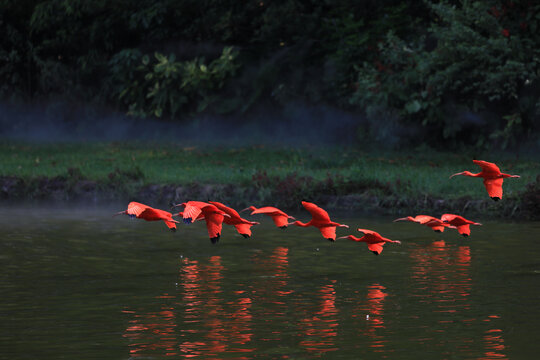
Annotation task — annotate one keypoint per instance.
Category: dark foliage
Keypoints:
(463, 72)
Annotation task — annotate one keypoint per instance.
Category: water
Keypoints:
(79, 284)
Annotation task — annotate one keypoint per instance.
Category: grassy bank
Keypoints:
(416, 180)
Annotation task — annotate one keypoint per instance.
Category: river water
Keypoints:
(79, 284)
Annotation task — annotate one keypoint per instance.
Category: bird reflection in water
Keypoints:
(441, 273)
(321, 330)
(493, 341)
(196, 321)
(375, 315)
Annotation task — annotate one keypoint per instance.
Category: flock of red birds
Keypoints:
(215, 214)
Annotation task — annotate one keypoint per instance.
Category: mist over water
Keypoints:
(295, 125)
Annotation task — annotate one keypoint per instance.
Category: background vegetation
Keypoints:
(445, 72)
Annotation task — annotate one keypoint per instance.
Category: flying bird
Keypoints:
(321, 220)
(142, 211)
(459, 222)
(278, 216)
(243, 226)
(493, 178)
(435, 224)
(212, 215)
(374, 240)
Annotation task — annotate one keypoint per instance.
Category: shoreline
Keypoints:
(525, 205)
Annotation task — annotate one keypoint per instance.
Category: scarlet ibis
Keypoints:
(374, 240)
(320, 219)
(462, 224)
(435, 224)
(142, 211)
(243, 226)
(493, 178)
(279, 217)
(212, 215)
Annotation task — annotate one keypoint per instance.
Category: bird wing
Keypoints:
(214, 222)
(376, 248)
(328, 232)
(228, 210)
(135, 208)
(422, 219)
(170, 224)
(191, 212)
(487, 166)
(494, 187)
(318, 214)
(280, 220)
(464, 229)
(267, 210)
(244, 229)
(369, 232)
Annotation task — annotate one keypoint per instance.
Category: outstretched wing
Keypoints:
(228, 210)
(328, 232)
(464, 229)
(244, 229)
(135, 208)
(191, 212)
(487, 166)
(318, 214)
(494, 187)
(376, 248)
(369, 232)
(214, 222)
(280, 220)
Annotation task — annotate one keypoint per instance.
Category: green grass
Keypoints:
(412, 173)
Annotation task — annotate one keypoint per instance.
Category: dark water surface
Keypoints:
(78, 284)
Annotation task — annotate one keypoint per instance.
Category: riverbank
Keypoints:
(394, 182)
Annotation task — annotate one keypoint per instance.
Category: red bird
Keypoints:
(243, 226)
(212, 215)
(141, 211)
(320, 219)
(435, 224)
(375, 242)
(493, 178)
(462, 224)
(279, 217)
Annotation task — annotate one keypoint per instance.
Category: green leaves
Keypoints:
(165, 87)
(483, 58)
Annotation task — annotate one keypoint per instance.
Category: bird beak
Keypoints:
(119, 213)
(342, 237)
(400, 219)
(244, 209)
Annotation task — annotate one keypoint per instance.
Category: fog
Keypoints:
(295, 125)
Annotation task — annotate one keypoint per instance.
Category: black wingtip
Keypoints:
(214, 240)
(330, 239)
(376, 253)
(187, 220)
(437, 231)
(246, 236)
(173, 229)
(283, 227)
(496, 198)
(465, 235)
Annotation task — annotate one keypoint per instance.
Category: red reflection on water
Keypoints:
(442, 276)
(493, 342)
(268, 287)
(374, 310)
(320, 329)
(198, 322)
(160, 325)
